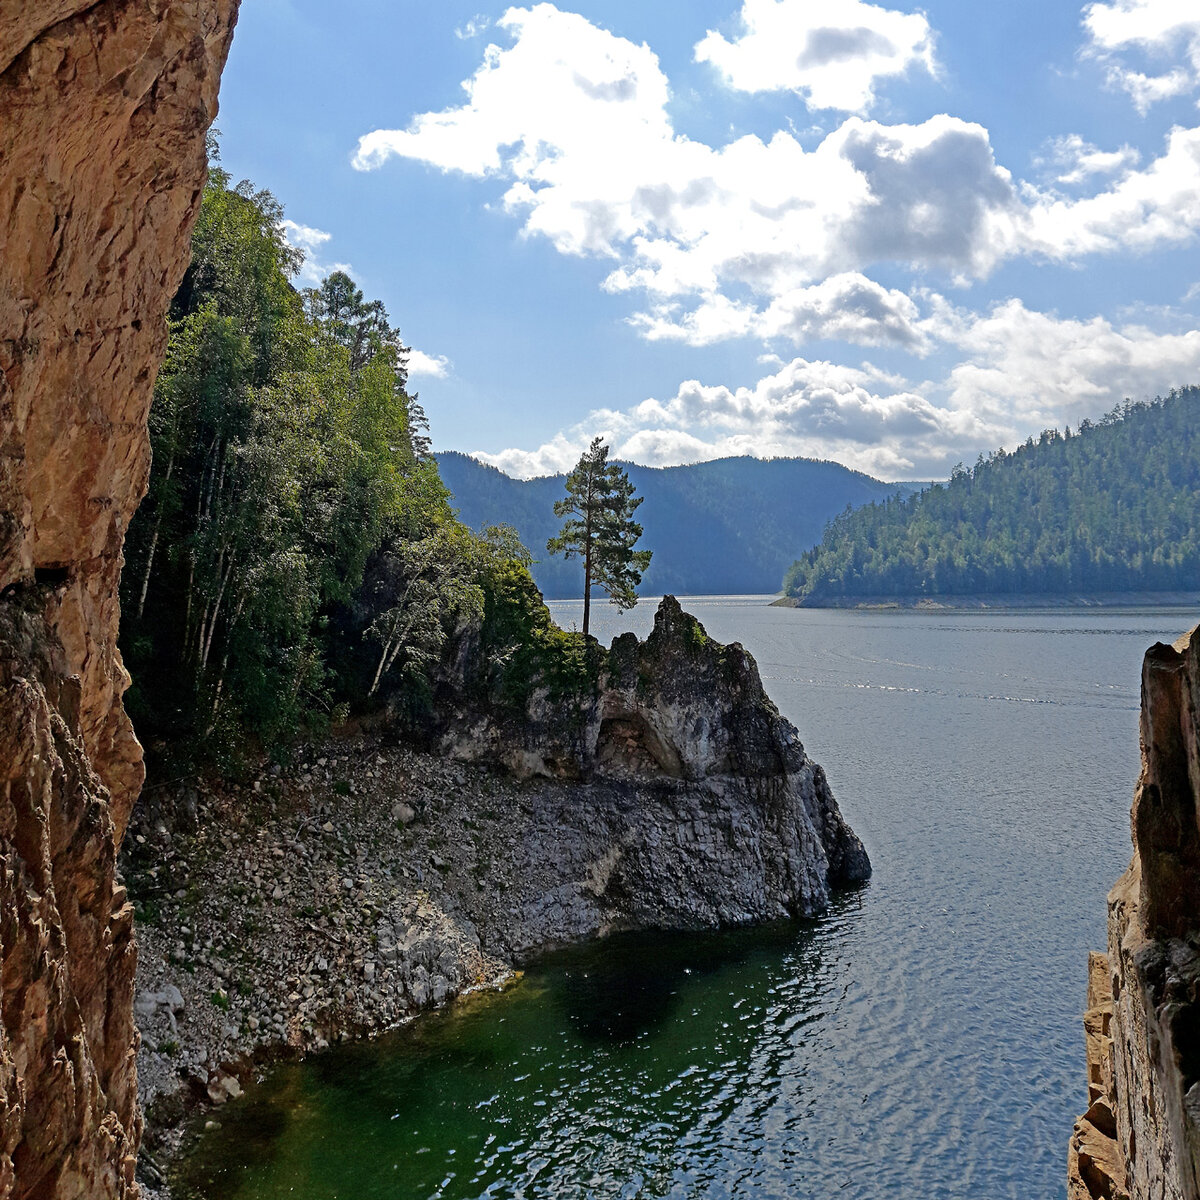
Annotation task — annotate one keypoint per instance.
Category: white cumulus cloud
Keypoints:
(1028, 370)
(1071, 160)
(1164, 34)
(311, 242)
(832, 54)
(730, 241)
(846, 307)
(1013, 372)
(436, 366)
(1159, 204)
(860, 416)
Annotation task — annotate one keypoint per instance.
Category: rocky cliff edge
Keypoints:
(1140, 1136)
(104, 105)
(682, 726)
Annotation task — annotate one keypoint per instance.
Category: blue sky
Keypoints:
(890, 236)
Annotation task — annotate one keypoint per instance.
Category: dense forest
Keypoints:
(728, 526)
(296, 555)
(1114, 507)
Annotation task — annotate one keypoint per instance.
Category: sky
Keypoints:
(891, 236)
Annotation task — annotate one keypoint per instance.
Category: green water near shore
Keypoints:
(594, 1070)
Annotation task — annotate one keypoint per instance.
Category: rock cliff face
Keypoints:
(103, 110)
(725, 818)
(1140, 1137)
(375, 880)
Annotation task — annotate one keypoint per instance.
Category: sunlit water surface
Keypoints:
(922, 1041)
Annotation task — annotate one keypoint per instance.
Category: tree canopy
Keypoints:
(290, 464)
(1113, 507)
(600, 529)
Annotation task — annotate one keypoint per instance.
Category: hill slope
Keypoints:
(728, 526)
(1114, 508)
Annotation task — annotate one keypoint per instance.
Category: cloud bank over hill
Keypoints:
(865, 237)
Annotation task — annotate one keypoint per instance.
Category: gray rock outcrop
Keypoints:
(699, 793)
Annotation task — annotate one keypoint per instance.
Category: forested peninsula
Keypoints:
(378, 773)
(1112, 508)
(363, 726)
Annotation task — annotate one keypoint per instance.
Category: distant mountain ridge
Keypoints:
(1112, 508)
(728, 526)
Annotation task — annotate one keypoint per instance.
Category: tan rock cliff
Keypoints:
(1141, 1135)
(103, 111)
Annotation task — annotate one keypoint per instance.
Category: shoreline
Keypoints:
(985, 601)
(339, 898)
(252, 948)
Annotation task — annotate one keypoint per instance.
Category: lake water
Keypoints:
(922, 1041)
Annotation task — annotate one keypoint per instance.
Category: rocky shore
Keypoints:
(343, 894)
(295, 910)
(339, 898)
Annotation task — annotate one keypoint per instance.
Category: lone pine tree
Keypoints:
(600, 529)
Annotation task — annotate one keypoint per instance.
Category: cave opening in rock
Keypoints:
(627, 745)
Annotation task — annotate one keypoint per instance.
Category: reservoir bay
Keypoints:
(922, 1040)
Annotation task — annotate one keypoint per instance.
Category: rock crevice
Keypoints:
(103, 111)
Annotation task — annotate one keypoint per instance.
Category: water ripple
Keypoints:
(923, 1040)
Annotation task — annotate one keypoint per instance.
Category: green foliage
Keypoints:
(1114, 507)
(288, 455)
(522, 648)
(427, 583)
(600, 529)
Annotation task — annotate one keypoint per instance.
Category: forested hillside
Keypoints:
(728, 526)
(1114, 507)
(296, 555)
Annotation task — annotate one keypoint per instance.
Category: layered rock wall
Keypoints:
(1141, 1135)
(680, 738)
(103, 111)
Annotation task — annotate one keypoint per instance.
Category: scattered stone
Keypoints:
(223, 1087)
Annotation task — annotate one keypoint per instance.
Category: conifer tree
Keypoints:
(600, 529)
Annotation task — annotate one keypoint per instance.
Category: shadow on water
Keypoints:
(250, 1140)
(622, 989)
(601, 1060)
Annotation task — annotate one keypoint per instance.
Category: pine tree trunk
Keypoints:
(587, 575)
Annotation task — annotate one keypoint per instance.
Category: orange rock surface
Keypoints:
(1141, 1135)
(103, 111)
